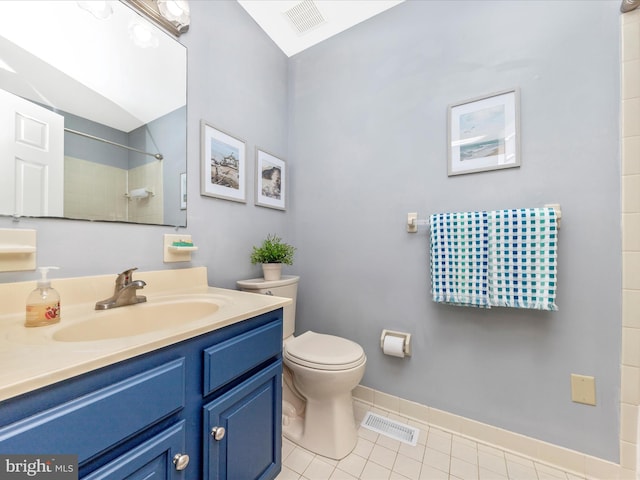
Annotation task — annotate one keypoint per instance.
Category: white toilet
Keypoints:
(320, 371)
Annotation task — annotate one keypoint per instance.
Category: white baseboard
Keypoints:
(568, 460)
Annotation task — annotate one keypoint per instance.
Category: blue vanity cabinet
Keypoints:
(243, 429)
(158, 457)
(143, 418)
(243, 425)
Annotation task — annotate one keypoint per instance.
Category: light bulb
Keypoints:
(175, 10)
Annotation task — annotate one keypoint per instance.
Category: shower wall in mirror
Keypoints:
(92, 114)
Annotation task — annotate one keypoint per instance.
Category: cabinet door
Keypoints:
(251, 415)
(152, 460)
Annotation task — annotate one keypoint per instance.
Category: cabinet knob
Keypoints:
(218, 433)
(181, 460)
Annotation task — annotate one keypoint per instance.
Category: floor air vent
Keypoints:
(390, 428)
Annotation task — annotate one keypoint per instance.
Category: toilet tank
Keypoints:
(286, 287)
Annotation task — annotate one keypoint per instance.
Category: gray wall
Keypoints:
(165, 135)
(90, 150)
(360, 120)
(368, 133)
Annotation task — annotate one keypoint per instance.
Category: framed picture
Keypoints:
(484, 133)
(271, 181)
(223, 169)
(183, 191)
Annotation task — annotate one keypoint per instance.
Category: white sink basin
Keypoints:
(137, 319)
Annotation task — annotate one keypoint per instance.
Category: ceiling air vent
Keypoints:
(305, 16)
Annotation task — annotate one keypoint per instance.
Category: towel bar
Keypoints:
(413, 222)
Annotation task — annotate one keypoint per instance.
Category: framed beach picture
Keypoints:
(484, 133)
(223, 165)
(271, 181)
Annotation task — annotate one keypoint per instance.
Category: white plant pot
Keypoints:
(272, 271)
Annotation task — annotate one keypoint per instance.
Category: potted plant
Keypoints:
(272, 254)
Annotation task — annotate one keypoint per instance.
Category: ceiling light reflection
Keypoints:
(142, 35)
(98, 8)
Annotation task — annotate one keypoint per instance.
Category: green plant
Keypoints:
(273, 250)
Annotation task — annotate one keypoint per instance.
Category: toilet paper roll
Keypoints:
(393, 346)
(139, 193)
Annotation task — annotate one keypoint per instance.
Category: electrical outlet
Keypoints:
(583, 389)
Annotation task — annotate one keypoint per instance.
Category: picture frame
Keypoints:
(223, 164)
(183, 191)
(484, 133)
(271, 180)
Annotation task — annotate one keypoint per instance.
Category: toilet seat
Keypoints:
(324, 352)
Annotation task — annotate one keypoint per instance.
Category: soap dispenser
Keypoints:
(43, 303)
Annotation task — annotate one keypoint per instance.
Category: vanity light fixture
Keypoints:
(172, 15)
(629, 5)
(98, 8)
(176, 11)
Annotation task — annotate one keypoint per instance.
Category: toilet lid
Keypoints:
(324, 352)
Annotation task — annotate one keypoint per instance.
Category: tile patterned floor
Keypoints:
(439, 455)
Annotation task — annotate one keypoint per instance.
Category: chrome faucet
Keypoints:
(125, 292)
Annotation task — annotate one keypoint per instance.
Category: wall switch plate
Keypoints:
(583, 389)
(412, 222)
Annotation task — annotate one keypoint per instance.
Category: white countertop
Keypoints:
(31, 358)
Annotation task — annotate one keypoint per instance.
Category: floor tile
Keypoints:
(352, 464)
(415, 453)
(368, 434)
(318, 470)
(298, 460)
(440, 441)
(430, 473)
(383, 456)
(287, 474)
(518, 471)
(373, 471)
(407, 467)
(390, 443)
(287, 448)
(363, 447)
(549, 473)
(341, 475)
(437, 459)
(464, 470)
(492, 463)
(491, 475)
(397, 476)
(438, 455)
(464, 451)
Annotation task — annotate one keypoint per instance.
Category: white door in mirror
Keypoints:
(32, 177)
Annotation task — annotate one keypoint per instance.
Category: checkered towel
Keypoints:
(459, 249)
(504, 258)
(523, 258)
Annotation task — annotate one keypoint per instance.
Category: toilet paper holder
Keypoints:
(406, 337)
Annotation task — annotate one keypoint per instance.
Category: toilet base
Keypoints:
(326, 428)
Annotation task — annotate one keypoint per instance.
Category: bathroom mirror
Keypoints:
(92, 114)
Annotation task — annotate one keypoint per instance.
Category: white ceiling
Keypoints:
(338, 16)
